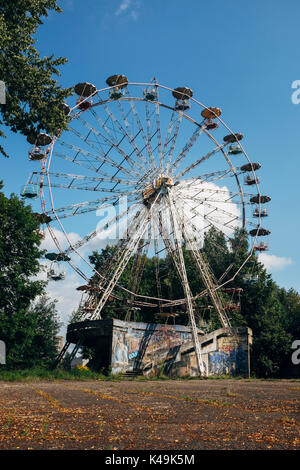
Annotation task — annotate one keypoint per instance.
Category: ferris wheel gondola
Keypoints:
(56, 272)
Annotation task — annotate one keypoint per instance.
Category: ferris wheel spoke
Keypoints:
(199, 161)
(219, 247)
(209, 281)
(211, 219)
(171, 150)
(104, 159)
(105, 153)
(215, 176)
(127, 253)
(138, 267)
(171, 137)
(209, 226)
(86, 163)
(150, 135)
(107, 130)
(111, 144)
(169, 131)
(141, 128)
(114, 220)
(95, 179)
(219, 192)
(142, 162)
(191, 142)
(165, 235)
(157, 272)
(96, 168)
(86, 184)
(159, 138)
(222, 211)
(83, 186)
(217, 224)
(84, 138)
(89, 206)
(112, 262)
(214, 209)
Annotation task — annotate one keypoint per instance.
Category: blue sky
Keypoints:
(238, 55)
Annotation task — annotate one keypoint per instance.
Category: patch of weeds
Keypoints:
(100, 425)
(24, 432)
(229, 393)
(225, 377)
(286, 420)
(187, 398)
(45, 428)
(217, 403)
(10, 418)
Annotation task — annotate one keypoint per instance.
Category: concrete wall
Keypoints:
(169, 348)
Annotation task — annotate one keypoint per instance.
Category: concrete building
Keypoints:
(148, 348)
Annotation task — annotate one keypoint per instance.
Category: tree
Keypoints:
(272, 313)
(19, 262)
(290, 301)
(43, 316)
(261, 310)
(32, 95)
(117, 308)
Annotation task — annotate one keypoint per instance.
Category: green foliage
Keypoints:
(28, 331)
(115, 308)
(32, 95)
(37, 373)
(272, 313)
(43, 348)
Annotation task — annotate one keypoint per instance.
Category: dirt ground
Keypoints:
(141, 415)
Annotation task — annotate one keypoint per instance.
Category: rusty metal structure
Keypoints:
(180, 170)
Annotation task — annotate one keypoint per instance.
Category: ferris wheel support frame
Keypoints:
(128, 251)
(186, 287)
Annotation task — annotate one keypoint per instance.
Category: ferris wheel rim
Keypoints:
(49, 157)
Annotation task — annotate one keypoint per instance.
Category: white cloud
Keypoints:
(124, 5)
(130, 7)
(64, 291)
(206, 204)
(67, 296)
(273, 262)
(134, 15)
(49, 245)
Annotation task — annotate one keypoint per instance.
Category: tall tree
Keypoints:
(32, 95)
(19, 262)
(262, 310)
(44, 317)
(272, 313)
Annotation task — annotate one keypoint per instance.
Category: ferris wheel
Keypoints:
(150, 168)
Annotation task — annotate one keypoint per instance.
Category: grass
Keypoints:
(42, 373)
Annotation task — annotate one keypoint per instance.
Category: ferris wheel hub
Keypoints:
(158, 185)
(163, 181)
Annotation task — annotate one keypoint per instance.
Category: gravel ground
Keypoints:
(156, 415)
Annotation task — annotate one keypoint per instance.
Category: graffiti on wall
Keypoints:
(233, 361)
(134, 345)
(148, 346)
